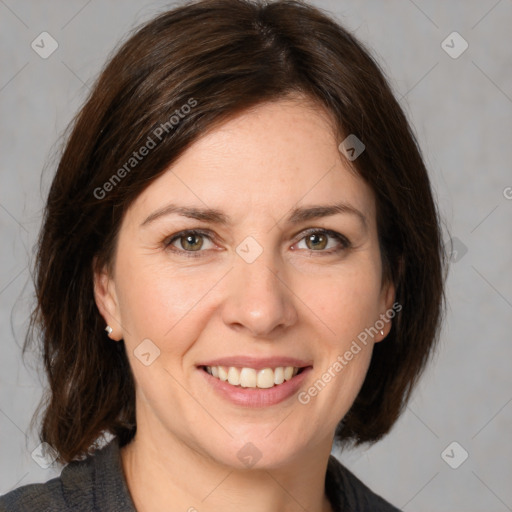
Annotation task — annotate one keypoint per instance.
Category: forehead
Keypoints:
(268, 159)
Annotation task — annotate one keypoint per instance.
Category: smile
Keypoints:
(245, 377)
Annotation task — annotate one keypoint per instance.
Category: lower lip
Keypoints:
(256, 397)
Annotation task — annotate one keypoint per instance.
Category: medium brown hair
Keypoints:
(223, 56)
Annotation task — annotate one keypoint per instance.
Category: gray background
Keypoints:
(461, 109)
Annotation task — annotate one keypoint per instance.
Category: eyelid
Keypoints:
(342, 239)
(329, 232)
(168, 241)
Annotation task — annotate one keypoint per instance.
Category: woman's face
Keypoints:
(232, 259)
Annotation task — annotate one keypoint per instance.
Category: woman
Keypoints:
(242, 206)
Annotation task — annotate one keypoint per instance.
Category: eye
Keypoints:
(188, 242)
(317, 240)
(192, 242)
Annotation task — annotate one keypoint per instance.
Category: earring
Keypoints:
(381, 332)
(109, 330)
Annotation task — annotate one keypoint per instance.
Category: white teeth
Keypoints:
(223, 374)
(279, 375)
(251, 378)
(234, 376)
(248, 378)
(266, 378)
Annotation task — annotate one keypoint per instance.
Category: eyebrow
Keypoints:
(297, 215)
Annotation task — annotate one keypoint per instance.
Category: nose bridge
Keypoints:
(258, 299)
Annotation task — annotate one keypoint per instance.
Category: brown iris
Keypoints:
(318, 240)
(187, 242)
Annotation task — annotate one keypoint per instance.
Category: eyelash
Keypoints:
(344, 241)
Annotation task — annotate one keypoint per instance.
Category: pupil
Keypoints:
(317, 240)
(190, 242)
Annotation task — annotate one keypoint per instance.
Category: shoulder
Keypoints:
(45, 497)
(347, 492)
(93, 484)
(70, 491)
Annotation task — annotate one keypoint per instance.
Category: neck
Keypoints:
(163, 474)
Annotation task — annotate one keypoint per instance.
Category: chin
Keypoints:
(256, 450)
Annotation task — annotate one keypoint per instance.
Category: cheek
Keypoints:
(348, 308)
(347, 302)
(165, 307)
(162, 304)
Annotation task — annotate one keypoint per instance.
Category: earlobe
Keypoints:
(388, 296)
(106, 301)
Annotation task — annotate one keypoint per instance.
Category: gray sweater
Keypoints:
(97, 484)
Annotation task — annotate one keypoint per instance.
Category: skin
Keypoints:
(299, 299)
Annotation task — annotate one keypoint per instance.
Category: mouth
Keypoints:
(252, 381)
(255, 383)
(247, 377)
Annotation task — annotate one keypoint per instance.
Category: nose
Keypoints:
(258, 299)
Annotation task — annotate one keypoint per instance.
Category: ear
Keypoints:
(106, 299)
(387, 299)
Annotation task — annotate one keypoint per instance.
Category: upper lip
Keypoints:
(258, 363)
